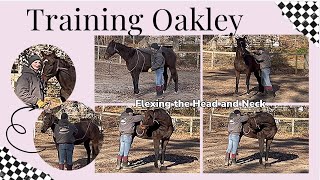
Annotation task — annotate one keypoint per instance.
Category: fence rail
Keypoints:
(177, 52)
(305, 56)
(283, 119)
(189, 119)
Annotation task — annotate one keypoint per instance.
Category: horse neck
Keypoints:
(124, 51)
(67, 77)
(238, 54)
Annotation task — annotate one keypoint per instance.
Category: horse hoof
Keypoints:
(176, 92)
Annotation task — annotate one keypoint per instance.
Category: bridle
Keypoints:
(146, 126)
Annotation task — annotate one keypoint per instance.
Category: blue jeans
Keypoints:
(66, 153)
(159, 76)
(233, 143)
(265, 77)
(125, 144)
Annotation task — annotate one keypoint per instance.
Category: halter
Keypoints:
(255, 121)
(115, 49)
(246, 133)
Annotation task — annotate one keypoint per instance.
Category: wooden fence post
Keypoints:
(296, 70)
(191, 125)
(210, 123)
(292, 128)
(212, 56)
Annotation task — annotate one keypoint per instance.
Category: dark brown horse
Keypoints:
(261, 126)
(245, 63)
(157, 125)
(139, 60)
(87, 131)
(65, 73)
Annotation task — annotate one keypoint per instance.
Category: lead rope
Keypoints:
(85, 133)
(144, 60)
(24, 131)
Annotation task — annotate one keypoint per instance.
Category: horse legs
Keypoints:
(165, 77)
(174, 76)
(256, 74)
(156, 144)
(95, 148)
(237, 81)
(268, 143)
(163, 150)
(248, 74)
(261, 143)
(135, 80)
(87, 146)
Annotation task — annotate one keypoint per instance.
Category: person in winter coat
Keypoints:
(263, 58)
(126, 129)
(234, 129)
(30, 87)
(157, 65)
(64, 133)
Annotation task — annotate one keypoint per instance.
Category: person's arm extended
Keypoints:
(137, 118)
(244, 118)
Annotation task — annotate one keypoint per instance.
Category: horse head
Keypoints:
(48, 120)
(111, 49)
(50, 65)
(150, 118)
(241, 44)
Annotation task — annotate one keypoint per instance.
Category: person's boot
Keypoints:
(69, 167)
(61, 166)
(119, 159)
(226, 159)
(158, 90)
(234, 160)
(125, 163)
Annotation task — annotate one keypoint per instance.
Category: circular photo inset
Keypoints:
(41, 74)
(70, 135)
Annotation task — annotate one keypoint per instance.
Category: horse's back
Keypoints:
(86, 130)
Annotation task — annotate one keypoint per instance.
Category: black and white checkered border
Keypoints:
(13, 169)
(305, 17)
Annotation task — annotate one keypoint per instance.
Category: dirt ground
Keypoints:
(220, 84)
(114, 85)
(288, 154)
(182, 154)
(50, 155)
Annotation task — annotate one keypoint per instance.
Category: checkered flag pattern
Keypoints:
(305, 17)
(13, 169)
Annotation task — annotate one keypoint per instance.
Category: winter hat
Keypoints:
(33, 58)
(155, 46)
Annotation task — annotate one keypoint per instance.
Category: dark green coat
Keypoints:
(29, 87)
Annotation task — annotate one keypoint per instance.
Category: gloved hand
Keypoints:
(40, 103)
(149, 70)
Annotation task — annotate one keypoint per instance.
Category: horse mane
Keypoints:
(131, 51)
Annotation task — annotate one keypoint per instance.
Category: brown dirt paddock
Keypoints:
(50, 155)
(182, 154)
(114, 84)
(288, 154)
(220, 84)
